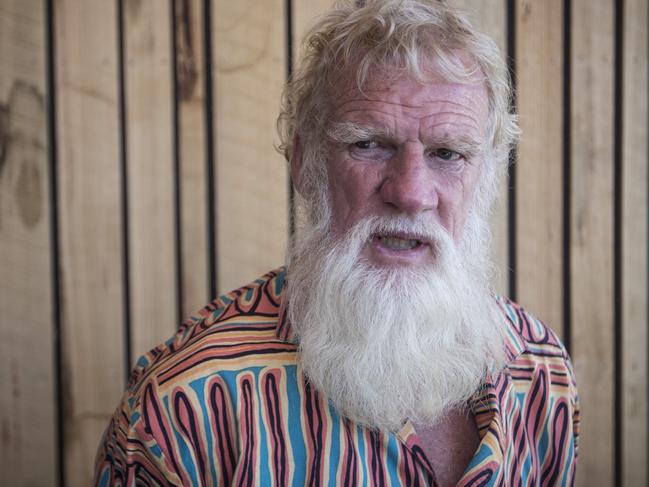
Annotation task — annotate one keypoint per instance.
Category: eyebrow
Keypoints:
(464, 144)
(349, 132)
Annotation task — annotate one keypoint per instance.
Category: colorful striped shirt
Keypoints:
(225, 402)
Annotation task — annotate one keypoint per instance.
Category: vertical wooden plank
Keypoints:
(152, 251)
(304, 16)
(634, 245)
(539, 211)
(90, 226)
(27, 406)
(490, 17)
(251, 177)
(191, 152)
(591, 233)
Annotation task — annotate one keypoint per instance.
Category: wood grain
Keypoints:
(539, 192)
(634, 246)
(591, 233)
(90, 227)
(490, 17)
(305, 14)
(27, 408)
(249, 68)
(192, 157)
(251, 177)
(150, 172)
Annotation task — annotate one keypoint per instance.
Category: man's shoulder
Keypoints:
(538, 360)
(235, 329)
(525, 334)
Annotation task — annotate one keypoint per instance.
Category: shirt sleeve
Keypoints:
(127, 454)
(574, 401)
(567, 460)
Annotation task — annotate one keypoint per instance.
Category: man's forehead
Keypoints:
(392, 84)
(384, 104)
(408, 92)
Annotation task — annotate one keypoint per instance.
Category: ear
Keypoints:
(296, 164)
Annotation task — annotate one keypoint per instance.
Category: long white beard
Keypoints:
(389, 344)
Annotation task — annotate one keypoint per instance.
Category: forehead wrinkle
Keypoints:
(423, 105)
(465, 110)
(368, 111)
(461, 121)
(379, 117)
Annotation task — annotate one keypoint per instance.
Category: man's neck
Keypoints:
(450, 444)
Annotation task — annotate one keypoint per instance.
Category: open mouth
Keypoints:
(398, 243)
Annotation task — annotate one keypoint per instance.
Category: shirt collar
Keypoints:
(514, 344)
(284, 330)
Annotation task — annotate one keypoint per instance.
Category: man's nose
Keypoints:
(409, 184)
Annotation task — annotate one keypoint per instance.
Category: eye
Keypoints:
(371, 150)
(366, 144)
(446, 154)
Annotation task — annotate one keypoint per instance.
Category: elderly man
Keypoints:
(379, 355)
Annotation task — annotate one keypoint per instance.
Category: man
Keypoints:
(379, 355)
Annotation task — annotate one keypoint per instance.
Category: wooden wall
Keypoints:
(138, 180)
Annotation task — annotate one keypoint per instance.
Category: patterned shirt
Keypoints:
(225, 402)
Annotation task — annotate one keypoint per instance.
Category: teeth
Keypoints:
(398, 243)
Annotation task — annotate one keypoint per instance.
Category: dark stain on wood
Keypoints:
(527, 11)
(4, 134)
(133, 8)
(5, 435)
(186, 61)
(29, 195)
(15, 382)
(22, 147)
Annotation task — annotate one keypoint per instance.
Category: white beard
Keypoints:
(389, 344)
